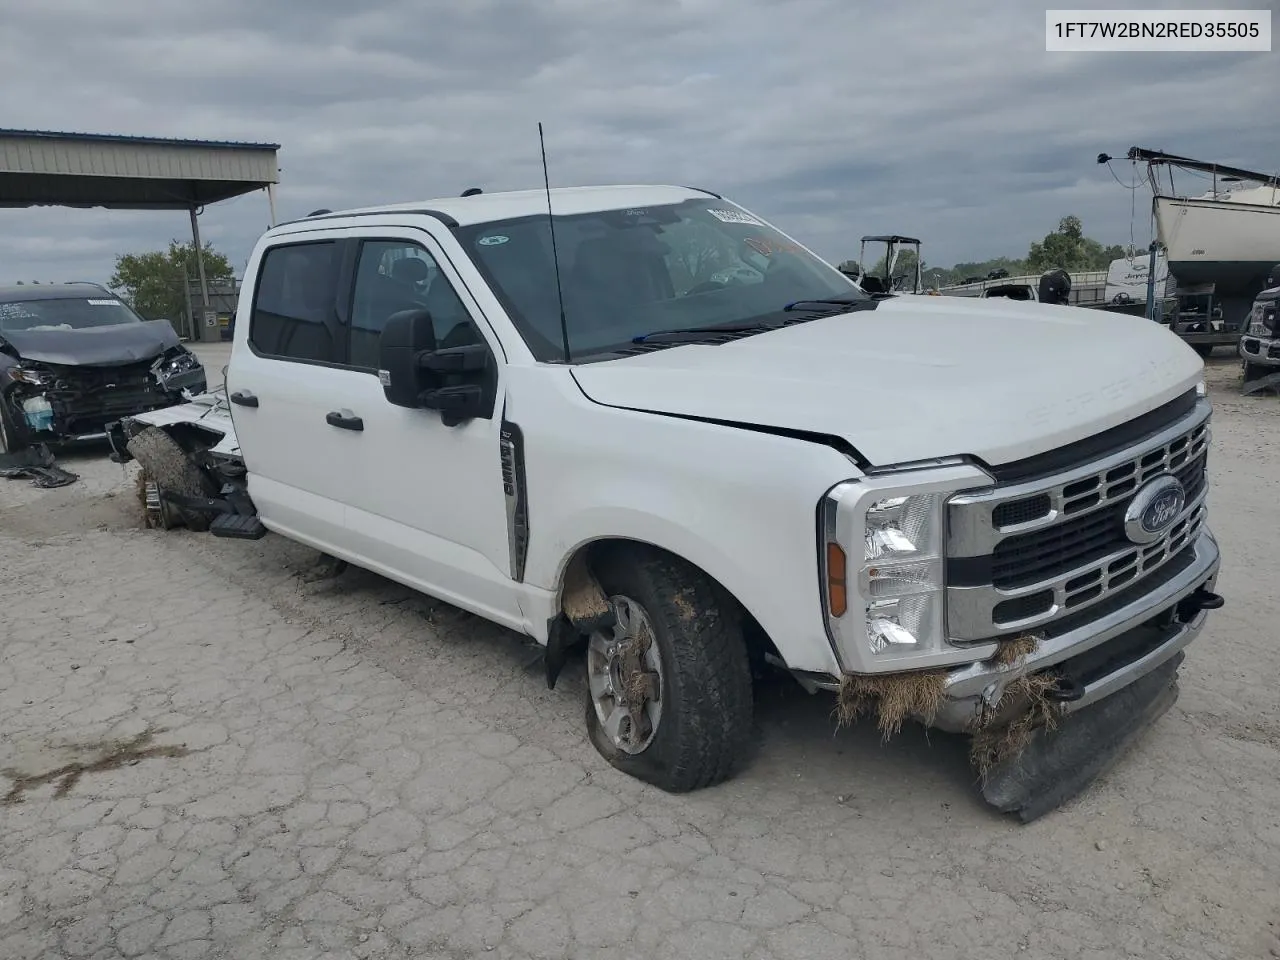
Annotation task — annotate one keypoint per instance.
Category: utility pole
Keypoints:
(204, 283)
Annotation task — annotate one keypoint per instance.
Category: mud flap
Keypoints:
(1058, 765)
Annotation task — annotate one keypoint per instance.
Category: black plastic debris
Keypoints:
(36, 464)
(1058, 765)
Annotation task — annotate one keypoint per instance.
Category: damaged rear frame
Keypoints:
(214, 494)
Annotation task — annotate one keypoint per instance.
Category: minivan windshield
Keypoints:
(64, 313)
(631, 273)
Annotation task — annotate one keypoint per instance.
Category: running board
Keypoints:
(236, 526)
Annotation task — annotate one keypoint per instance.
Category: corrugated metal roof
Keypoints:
(122, 138)
(92, 170)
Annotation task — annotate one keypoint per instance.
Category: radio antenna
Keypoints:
(555, 255)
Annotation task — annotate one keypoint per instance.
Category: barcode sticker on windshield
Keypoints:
(103, 303)
(735, 216)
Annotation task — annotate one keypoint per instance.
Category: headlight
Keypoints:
(176, 363)
(883, 573)
(38, 378)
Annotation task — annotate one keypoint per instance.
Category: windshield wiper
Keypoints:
(808, 310)
(694, 334)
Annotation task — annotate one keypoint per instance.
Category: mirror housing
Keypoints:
(406, 335)
(461, 382)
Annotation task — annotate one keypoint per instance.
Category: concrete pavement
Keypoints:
(206, 753)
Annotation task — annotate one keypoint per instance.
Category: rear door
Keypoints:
(287, 366)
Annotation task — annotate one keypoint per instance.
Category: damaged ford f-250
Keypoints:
(668, 434)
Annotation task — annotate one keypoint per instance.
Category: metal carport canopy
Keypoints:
(43, 168)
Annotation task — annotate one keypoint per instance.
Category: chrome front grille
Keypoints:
(1021, 556)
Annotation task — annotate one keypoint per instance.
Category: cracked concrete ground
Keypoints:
(209, 754)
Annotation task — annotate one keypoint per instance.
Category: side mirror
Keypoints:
(460, 382)
(406, 335)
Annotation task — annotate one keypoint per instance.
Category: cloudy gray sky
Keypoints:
(945, 119)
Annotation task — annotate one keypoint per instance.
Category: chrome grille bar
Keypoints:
(974, 613)
(972, 529)
(1036, 518)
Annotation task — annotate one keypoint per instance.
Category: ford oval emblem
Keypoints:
(1154, 509)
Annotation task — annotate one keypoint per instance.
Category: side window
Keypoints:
(396, 275)
(293, 302)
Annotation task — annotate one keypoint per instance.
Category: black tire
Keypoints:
(10, 441)
(169, 467)
(706, 697)
(1204, 349)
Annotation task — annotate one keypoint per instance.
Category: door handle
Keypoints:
(244, 398)
(344, 420)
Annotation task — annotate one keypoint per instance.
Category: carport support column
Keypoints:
(198, 332)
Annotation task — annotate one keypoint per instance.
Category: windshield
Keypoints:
(74, 313)
(635, 272)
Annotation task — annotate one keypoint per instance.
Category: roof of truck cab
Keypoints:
(488, 207)
(24, 292)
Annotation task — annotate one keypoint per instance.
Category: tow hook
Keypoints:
(1202, 599)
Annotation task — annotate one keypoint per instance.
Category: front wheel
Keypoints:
(669, 686)
(1204, 349)
(10, 442)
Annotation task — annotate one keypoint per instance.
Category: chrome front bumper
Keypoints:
(1263, 351)
(977, 688)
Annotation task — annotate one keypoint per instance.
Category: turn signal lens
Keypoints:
(837, 592)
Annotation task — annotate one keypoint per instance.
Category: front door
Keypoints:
(426, 506)
(281, 381)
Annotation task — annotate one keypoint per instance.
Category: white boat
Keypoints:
(1228, 236)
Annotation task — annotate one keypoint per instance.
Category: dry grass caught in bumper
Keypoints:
(896, 697)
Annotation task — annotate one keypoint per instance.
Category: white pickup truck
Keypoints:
(667, 433)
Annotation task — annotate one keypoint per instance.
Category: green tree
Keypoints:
(1069, 249)
(152, 283)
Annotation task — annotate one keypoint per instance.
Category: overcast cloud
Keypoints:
(942, 119)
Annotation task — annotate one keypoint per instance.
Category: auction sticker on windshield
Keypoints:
(491, 240)
(735, 216)
(103, 303)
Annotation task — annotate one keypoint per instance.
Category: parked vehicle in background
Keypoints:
(74, 357)
(1083, 288)
(1260, 345)
(569, 433)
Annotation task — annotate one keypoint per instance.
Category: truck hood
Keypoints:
(107, 346)
(919, 377)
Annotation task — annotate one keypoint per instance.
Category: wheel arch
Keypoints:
(590, 552)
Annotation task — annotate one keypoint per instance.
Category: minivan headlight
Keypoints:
(884, 577)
